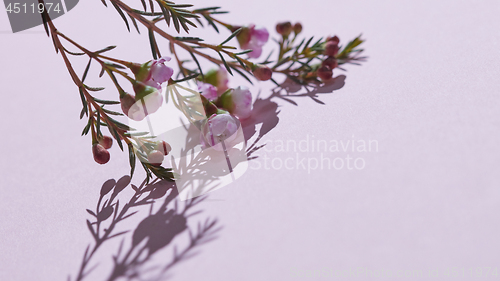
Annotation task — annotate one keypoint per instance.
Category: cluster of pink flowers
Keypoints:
(234, 103)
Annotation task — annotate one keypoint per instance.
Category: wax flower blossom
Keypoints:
(208, 91)
(217, 128)
(237, 101)
(218, 78)
(251, 38)
(153, 73)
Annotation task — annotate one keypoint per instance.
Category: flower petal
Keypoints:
(161, 73)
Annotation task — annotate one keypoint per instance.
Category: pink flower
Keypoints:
(153, 73)
(237, 101)
(251, 38)
(208, 91)
(217, 128)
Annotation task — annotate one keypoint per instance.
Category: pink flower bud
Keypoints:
(325, 73)
(237, 101)
(330, 61)
(217, 128)
(164, 147)
(106, 142)
(262, 73)
(333, 39)
(297, 28)
(156, 157)
(101, 155)
(331, 48)
(284, 28)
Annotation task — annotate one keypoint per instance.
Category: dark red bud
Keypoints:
(333, 39)
(101, 155)
(297, 28)
(262, 73)
(331, 48)
(284, 28)
(155, 157)
(106, 142)
(127, 101)
(325, 73)
(164, 147)
(331, 62)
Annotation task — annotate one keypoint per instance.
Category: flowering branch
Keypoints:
(308, 62)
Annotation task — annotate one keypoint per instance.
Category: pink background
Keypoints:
(427, 201)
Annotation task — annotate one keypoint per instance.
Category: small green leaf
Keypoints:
(135, 23)
(175, 19)
(98, 124)
(205, 9)
(93, 89)
(82, 113)
(192, 76)
(117, 137)
(106, 101)
(225, 63)
(231, 36)
(151, 6)
(307, 44)
(86, 128)
(112, 112)
(245, 52)
(120, 125)
(152, 43)
(241, 62)
(73, 53)
(86, 70)
(84, 102)
(132, 159)
(109, 48)
(211, 22)
(198, 64)
(166, 14)
(187, 39)
(242, 74)
(121, 14)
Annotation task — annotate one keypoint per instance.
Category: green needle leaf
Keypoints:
(231, 36)
(122, 15)
(225, 64)
(86, 70)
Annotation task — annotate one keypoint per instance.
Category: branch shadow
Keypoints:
(265, 111)
(152, 235)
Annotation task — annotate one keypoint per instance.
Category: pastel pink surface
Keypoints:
(427, 199)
